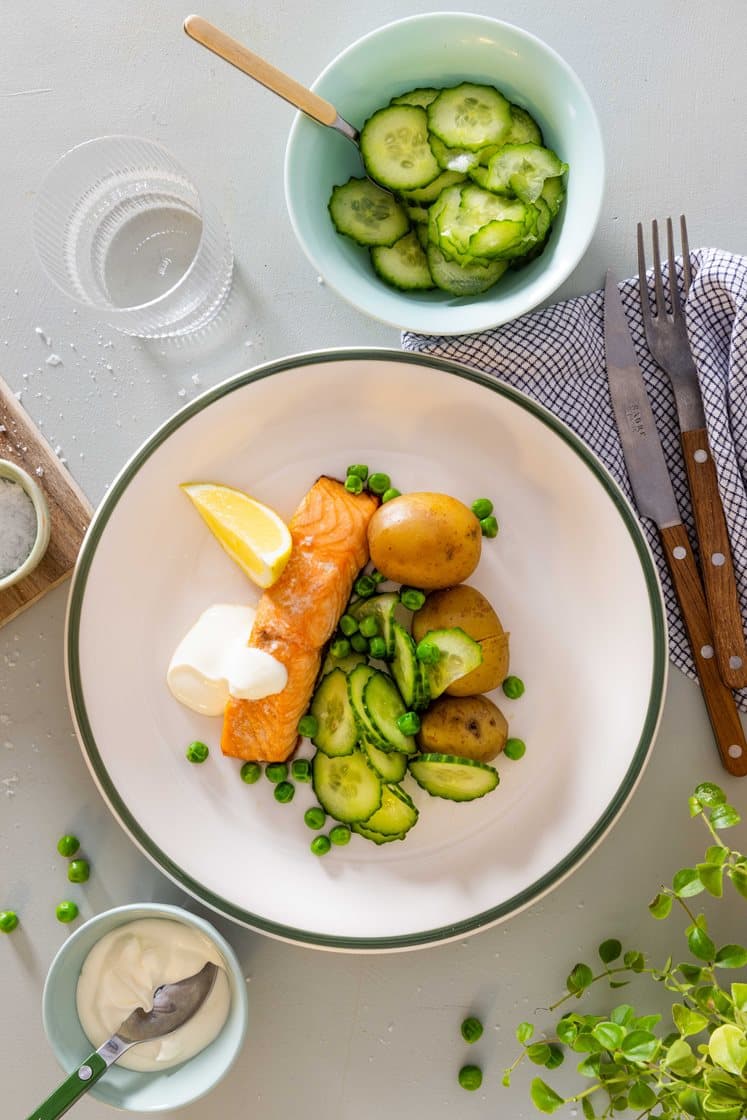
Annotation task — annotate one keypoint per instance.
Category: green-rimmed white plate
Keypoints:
(570, 575)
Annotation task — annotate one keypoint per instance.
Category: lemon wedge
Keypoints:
(251, 533)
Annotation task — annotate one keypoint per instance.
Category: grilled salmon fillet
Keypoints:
(297, 616)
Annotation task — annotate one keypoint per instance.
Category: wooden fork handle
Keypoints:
(207, 35)
(719, 701)
(716, 561)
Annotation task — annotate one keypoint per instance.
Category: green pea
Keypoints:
(340, 648)
(66, 911)
(315, 817)
(320, 845)
(379, 483)
(308, 726)
(427, 652)
(377, 648)
(68, 845)
(471, 1029)
(339, 835)
(409, 723)
(515, 748)
(250, 773)
(470, 1077)
(197, 751)
(276, 771)
(301, 769)
(284, 792)
(8, 921)
(482, 507)
(359, 470)
(369, 627)
(377, 577)
(354, 484)
(513, 687)
(489, 526)
(364, 586)
(411, 598)
(78, 870)
(348, 625)
(389, 494)
(359, 643)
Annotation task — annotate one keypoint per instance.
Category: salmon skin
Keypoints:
(298, 615)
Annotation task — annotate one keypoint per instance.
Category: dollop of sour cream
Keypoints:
(122, 972)
(213, 662)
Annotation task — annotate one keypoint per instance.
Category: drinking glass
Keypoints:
(120, 228)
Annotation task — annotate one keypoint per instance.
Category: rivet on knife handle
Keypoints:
(715, 559)
(719, 701)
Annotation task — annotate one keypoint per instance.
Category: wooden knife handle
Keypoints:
(715, 559)
(722, 710)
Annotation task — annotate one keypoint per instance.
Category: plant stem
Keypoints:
(600, 976)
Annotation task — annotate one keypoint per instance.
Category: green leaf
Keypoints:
(619, 983)
(566, 1030)
(538, 1053)
(585, 1043)
(708, 793)
(700, 944)
(610, 950)
(738, 876)
(727, 1047)
(723, 1084)
(556, 1058)
(524, 1032)
(590, 1066)
(588, 1109)
(641, 1095)
(715, 1108)
(691, 1102)
(680, 1058)
(543, 1097)
(622, 1014)
(686, 1021)
(620, 1104)
(640, 1046)
(691, 972)
(739, 996)
(712, 878)
(609, 1034)
(725, 816)
(661, 905)
(646, 1022)
(506, 1079)
(717, 854)
(634, 960)
(686, 883)
(694, 806)
(579, 979)
(731, 956)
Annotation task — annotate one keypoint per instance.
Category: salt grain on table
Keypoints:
(17, 526)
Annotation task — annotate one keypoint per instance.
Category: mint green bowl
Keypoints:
(125, 1088)
(441, 49)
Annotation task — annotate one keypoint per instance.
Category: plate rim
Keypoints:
(311, 938)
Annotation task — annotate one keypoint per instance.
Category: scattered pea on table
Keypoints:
(8, 921)
(276, 772)
(309, 725)
(515, 748)
(320, 845)
(284, 792)
(197, 751)
(471, 1029)
(315, 817)
(513, 687)
(470, 1077)
(339, 835)
(250, 773)
(68, 845)
(79, 871)
(66, 911)
(301, 769)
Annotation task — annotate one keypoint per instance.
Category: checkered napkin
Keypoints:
(557, 356)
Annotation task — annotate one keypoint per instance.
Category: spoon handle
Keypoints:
(78, 1083)
(263, 72)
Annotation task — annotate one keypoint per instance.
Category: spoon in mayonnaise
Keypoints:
(173, 1005)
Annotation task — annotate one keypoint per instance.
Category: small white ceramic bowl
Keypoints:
(124, 1088)
(442, 49)
(33, 489)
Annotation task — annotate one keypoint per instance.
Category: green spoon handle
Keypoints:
(78, 1083)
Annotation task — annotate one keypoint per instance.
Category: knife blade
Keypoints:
(654, 496)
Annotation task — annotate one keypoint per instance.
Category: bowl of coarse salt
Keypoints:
(24, 524)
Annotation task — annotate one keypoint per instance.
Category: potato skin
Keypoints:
(425, 540)
(468, 726)
(466, 607)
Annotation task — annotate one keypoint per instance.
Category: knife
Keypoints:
(654, 496)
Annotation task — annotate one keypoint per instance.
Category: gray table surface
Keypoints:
(336, 1035)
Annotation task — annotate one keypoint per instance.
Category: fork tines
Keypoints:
(674, 294)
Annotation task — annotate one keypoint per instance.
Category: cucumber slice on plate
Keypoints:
(522, 170)
(405, 665)
(470, 116)
(384, 706)
(396, 815)
(460, 654)
(395, 149)
(346, 787)
(346, 663)
(337, 732)
(391, 766)
(453, 778)
(357, 681)
(404, 265)
(381, 607)
(367, 214)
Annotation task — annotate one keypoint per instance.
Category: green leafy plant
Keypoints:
(698, 1067)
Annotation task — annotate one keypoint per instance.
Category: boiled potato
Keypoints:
(468, 726)
(466, 607)
(425, 540)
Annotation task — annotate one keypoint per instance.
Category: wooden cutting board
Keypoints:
(69, 509)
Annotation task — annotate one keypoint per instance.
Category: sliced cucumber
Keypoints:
(423, 196)
(460, 654)
(461, 212)
(421, 96)
(453, 159)
(366, 213)
(396, 815)
(405, 665)
(375, 837)
(553, 193)
(346, 663)
(418, 215)
(357, 681)
(346, 787)
(404, 264)
(391, 766)
(522, 169)
(337, 732)
(384, 706)
(381, 607)
(469, 116)
(395, 149)
(421, 232)
(524, 128)
(463, 280)
(453, 778)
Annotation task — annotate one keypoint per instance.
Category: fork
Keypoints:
(666, 334)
